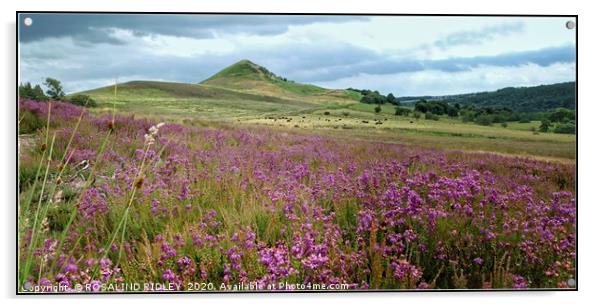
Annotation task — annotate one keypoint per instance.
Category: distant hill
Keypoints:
(247, 76)
(520, 99)
(244, 85)
(175, 90)
(243, 81)
(241, 90)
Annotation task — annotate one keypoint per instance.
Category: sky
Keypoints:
(403, 55)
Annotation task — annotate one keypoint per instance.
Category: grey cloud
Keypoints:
(480, 36)
(96, 28)
(302, 63)
(375, 64)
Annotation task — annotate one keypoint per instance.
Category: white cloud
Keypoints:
(482, 78)
(355, 53)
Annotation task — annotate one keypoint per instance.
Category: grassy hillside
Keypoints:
(180, 99)
(246, 94)
(250, 77)
(520, 99)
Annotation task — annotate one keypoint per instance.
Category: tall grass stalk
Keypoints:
(62, 166)
(89, 179)
(123, 221)
(35, 182)
(87, 184)
(33, 241)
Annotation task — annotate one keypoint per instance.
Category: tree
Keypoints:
(452, 112)
(568, 128)
(430, 116)
(35, 93)
(421, 106)
(391, 99)
(82, 100)
(25, 90)
(399, 111)
(545, 125)
(55, 89)
(483, 119)
(377, 109)
(561, 115)
(367, 99)
(38, 93)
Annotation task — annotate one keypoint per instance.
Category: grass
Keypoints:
(446, 133)
(273, 160)
(239, 74)
(246, 76)
(281, 183)
(248, 94)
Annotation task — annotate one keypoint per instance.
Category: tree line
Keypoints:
(559, 120)
(54, 91)
(542, 98)
(374, 97)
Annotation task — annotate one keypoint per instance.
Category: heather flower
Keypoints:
(350, 209)
(167, 251)
(402, 269)
(519, 282)
(71, 268)
(365, 218)
(93, 202)
(314, 261)
(169, 276)
(250, 239)
(95, 285)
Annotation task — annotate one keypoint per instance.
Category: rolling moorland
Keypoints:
(249, 181)
(246, 93)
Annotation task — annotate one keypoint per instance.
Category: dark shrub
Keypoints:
(484, 120)
(82, 100)
(399, 111)
(430, 116)
(545, 125)
(565, 128)
(29, 122)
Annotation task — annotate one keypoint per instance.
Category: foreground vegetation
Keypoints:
(106, 198)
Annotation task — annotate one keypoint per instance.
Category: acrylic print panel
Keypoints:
(249, 153)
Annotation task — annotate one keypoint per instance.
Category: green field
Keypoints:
(247, 94)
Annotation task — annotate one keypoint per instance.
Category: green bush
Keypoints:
(27, 175)
(484, 120)
(430, 116)
(545, 125)
(399, 111)
(565, 128)
(32, 92)
(82, 100)
(29, 122)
